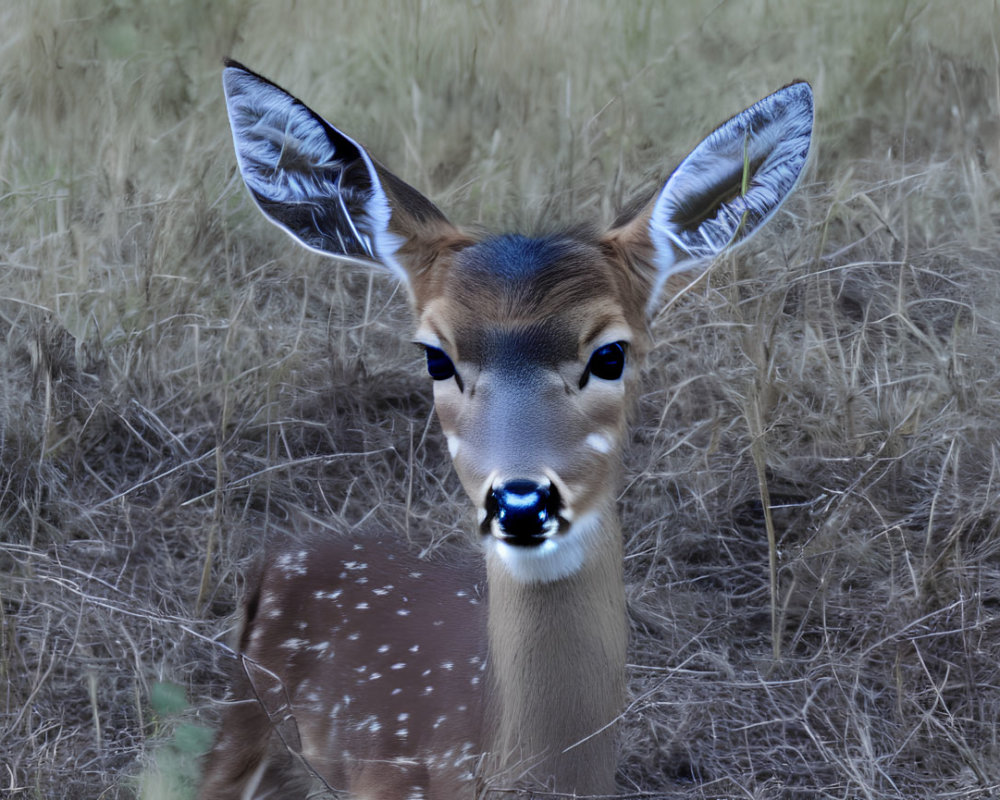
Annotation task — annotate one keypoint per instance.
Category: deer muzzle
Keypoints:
(522, 512)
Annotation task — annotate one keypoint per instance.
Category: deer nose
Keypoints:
(524, 511)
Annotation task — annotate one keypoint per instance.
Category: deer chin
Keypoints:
(557, 556)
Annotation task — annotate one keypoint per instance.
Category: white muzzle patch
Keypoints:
(558, 556)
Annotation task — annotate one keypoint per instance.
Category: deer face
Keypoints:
(533, 346)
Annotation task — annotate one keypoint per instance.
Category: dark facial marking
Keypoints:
(519, 296)
(515, 259)
(519, 350)
(519, 278)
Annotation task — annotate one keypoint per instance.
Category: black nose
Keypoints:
(523, 510)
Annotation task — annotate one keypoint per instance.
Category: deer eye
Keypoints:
(439, 366)
(607, 363)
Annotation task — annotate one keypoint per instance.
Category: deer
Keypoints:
(374, 672)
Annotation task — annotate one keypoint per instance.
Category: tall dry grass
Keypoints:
(175, 374)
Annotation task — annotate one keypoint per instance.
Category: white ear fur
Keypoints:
(732, 182)
(306, 176)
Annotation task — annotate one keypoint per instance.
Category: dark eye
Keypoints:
(438, 364)
(607, 363)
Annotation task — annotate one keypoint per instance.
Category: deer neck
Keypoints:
(557, 668)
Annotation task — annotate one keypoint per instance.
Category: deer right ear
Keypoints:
(320, 185)
(724, 191)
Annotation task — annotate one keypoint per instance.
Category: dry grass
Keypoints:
(174, 373)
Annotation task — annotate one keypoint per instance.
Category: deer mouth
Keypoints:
(523, 513)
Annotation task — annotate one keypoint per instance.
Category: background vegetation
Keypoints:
(174, 375)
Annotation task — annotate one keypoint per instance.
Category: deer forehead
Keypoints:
(514, 300)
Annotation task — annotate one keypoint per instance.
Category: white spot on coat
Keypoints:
(292, 563)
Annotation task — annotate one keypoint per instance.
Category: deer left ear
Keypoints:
(724, 191)
(323, 188)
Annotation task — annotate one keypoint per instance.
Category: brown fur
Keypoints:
(553, 686)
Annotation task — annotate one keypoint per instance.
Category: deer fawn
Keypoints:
(392, 676)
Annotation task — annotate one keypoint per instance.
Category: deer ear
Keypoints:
(320, 185)
(725, 190)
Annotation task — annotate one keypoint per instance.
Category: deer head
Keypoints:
(533, 344)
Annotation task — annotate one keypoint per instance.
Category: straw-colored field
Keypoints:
(175, 375)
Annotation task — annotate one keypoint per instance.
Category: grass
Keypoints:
(175, 374)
